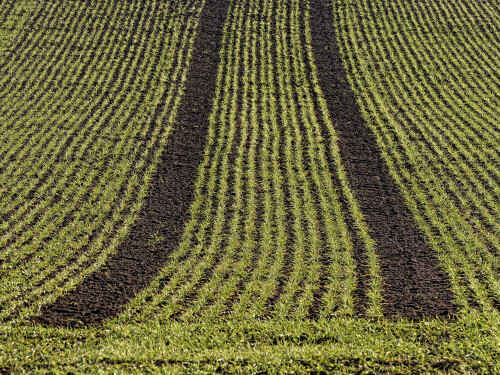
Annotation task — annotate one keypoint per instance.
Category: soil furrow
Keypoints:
(103, 294)
(414, 285)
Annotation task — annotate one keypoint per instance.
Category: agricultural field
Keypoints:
(249, 186)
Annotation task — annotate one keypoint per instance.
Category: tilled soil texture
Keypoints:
(163, 215)
(414, 286)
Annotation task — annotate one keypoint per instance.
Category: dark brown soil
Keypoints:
(164, 213)
(414, 286)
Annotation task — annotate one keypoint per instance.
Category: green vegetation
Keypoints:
(428, 86)
(87, 104)
(350, 345)
(266, 223)
(12, 20)
(265, 277)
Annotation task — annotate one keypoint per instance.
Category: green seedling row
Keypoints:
(267, 229)
(90, 146)
(423, 93)
(265, 277)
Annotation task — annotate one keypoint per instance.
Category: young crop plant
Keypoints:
(267, 236)
(436, 136)
(249, 186)
(79, 150)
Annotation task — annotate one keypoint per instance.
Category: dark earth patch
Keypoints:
(166, 209)
(414, 285)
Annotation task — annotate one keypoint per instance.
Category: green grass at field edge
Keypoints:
(471, 343)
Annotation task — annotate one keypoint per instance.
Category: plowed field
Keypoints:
(249, 186)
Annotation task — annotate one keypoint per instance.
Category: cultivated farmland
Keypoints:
(305, 186)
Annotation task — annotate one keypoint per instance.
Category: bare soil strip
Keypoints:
(104, 293)
(414, 286)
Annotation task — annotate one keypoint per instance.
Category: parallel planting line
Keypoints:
(85, 195)
(413, 285)
(132, 267)
(266, 240)
(125, 177)
(253, 159)
(440, 136)
(192, 264)
(13, 21)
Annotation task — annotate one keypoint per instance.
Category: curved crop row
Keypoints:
(86, 105)
(89, 94)
(427, 80)
(13, 15)
(268, 233)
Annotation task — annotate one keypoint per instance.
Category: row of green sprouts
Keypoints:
(89, 94)
(427, 80)
(268, 235)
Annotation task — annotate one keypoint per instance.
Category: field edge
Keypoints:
(346, 345)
